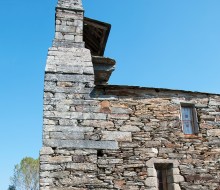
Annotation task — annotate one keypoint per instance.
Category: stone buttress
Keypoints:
(68, 159)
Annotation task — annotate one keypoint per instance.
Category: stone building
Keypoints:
(100, 136)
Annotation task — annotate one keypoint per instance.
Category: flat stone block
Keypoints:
(46, 151)
(59, 174)
(69, 37)
(151, 182)
(150, 163)
(130, 128)
(174, 171)
(213, 132)
(87, 144)
(151, 172)
(68, 135)
(49, 167)
(65, 188)
(116, 135)
(86, 179)
(81, 166)
(178, 178)
(176, 187)
(85, 116)
(67, 129)
(56, 159)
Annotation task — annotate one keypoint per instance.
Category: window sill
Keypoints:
(191, 136)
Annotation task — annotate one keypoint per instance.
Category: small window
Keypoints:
(163, 173)
(189, 119)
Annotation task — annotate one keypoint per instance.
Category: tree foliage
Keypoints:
(11, 187)
(26, 174)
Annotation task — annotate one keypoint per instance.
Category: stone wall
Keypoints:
(113, 140)
(112, 137)
(147, 125)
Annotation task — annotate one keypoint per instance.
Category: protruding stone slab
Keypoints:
(81, 144)
(103, 68)
(67, 129)
(67, 135)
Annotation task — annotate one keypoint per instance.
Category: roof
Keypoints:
(137, 91)
(95, 35)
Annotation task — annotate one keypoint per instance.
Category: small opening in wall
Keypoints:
(189, 119)
(163, 175)
(100, 153)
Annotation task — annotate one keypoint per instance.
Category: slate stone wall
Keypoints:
(146, 123)
(113, 140)
(111, 137)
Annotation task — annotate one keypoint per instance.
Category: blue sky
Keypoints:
(156, 43)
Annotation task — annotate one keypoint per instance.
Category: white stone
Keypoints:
(151, 182)
(151, 172)
(46, 151)
(116, 135)
(213, 132)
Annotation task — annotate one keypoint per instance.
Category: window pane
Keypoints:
(187, 127)
(186, 113)
(187, 120)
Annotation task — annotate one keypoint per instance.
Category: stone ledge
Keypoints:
(81, 144)
(67, 135)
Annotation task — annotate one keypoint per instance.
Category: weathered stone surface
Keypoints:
(56, 159)
(67, 135)
(86, 179)
(151, 182)
(48, 167)
(66, 188)
(151, 172)
(213, 132)
(81, 166)
(174, 186)
(130, 128)
(116, 135)
(178, 178)
(67, 129)
(59, 174)
(46, 150)
(87, 144)
(71, 4)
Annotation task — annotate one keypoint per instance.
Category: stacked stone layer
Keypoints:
(69, 24)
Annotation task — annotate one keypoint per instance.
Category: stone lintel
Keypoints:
(150, 163)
